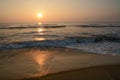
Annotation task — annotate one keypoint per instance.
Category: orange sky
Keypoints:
(60, 10)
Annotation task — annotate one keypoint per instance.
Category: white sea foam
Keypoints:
(112, 48)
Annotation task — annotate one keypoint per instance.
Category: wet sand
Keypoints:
(110, 72)
(57, 64)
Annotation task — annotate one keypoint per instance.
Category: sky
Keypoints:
(83, 11)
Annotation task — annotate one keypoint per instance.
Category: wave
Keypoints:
(97, 38)
(98, 25)
(45, 43)
(111, 48)
(59, 42)
(33, 26)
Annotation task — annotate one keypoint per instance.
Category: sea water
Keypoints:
(96, 38)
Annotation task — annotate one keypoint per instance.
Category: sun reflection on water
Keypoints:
(40, 39)
(40, 59)
(39, 23)
(43, 59)
(40, 32)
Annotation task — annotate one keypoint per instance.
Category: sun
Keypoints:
(39, 15)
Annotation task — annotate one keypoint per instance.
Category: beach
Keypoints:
(110, 72)
(59, 39)
(56, 64)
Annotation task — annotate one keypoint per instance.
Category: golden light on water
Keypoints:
(39, 39)
(42, 59)
(40, 30)
(39, 23)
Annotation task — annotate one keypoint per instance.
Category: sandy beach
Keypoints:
(57, 64)
(89, 67)
(110, 72)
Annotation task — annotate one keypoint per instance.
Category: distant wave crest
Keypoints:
(32, 26)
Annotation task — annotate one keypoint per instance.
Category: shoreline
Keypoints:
(104, 72)
(30, 63)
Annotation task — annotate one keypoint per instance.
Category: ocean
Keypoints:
(36, 50)
(96, 38)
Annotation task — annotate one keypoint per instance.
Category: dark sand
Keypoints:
(57, 64)
(111, 72)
